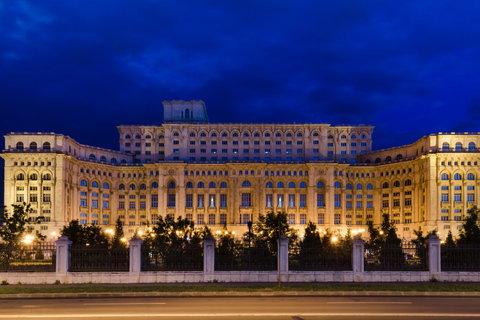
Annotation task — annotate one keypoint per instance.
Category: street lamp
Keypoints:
(249, 224)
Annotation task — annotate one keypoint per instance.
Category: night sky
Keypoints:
(80, 68)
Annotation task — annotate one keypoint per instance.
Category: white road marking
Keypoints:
(118, 303)
(186, 315)
(361, 302)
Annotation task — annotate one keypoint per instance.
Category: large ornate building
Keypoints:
(218, 174)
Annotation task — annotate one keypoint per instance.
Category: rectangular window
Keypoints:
(321, 218)
(121, 204)
(33, 197)
(171, 200)
(336, 218)
(83, 202)
(337, 201)
(457, 197)
(444, 188)
(131, 205)
(268, 200)
(95, 203)
(457, 218)
(303, 218)
(46, 197)
(280, 200)
(200, 219)
(444, 197)
(291, 201)
(470, 197)
(348, 204)
(200, 201)
(143, 205)
(444, 218)
(211, 201)
(223, 218)
(396, 202)
(154, 200)
(211, 218)
(189, 201)
(303, 201)
(369, 204)
(246, 200)
(223, 201)
(105, 204)
(408, 221)
(359, 204)
(291, 218)
(408, 202)
(320, 202)
(385, 204)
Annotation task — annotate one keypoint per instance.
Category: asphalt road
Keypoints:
(262, 308)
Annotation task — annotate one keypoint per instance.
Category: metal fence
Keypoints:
(98, 258)
(396, 257)
(330, 258)
(460, 257)
(35, 257)
(240, 258)
(172, 258)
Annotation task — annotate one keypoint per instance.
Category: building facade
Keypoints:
(217, 174)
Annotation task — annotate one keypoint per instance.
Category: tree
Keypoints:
(118, 234)
(15, 225)
(84, 235)
(470, 233)
(269, 228)
(384, 244)
(449, 240)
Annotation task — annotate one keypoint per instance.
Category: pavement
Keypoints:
(336, 293)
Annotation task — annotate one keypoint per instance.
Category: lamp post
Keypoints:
(249, 224)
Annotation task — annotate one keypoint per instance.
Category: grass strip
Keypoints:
(427, 287)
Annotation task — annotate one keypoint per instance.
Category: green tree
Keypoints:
(384, 245)
(84, 235)
(470, 233)
(118, 234)
(15, 225)
(269, 228)
(449, 240)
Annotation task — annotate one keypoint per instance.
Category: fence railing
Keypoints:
(241, 258)
(396, 257)
(329, 258)
(98, 258)
(35, 257)
(172, 258)
(460, 257)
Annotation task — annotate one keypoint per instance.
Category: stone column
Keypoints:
(135, 254)
(63, 255)
(358, 258)
(282, 246)
(209, 255)
(434, 256)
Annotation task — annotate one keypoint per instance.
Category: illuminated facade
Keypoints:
(218, 174)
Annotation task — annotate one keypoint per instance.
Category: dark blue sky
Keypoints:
(80, 68)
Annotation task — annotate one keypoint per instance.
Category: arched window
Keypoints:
(458, 146)
(223, 184)
(83, 183)
(315, 134)
(330, 137)
(46, 146)
(256, 135)
(368, 161)
(224, 134)
(138, 137)
(445, 146)
(470, 176)
(33, 146)
(457, 176)
(91, 157)
(128, 136)
(20, 176)
(408, 182)
(47, 176)
(369, 186)
(235, 134)
(385, 185)
(94, 184)
(203, 134)
(291, 184)
(113, 160)
(353, 136)
(171, 185)
(103, 159)
(399, 157)
(337, 185)
(148, 136)
(132, 186)
(269, 184)
(267, 134)
(299, 135)
(123, 161)
(246, 183)
(303, 185)
(363, 136)
(387, 159)
(212, 185)
(200, 185)
(105, 186)
(33, 176)
(396, 184)
(444, 176)
(319, 184)
(189, 185)
(343, 136)
(19, 145)
(280, 185)
(245, 134)
(278, 134)
(471, 146)
(214, 135)
(348, 186)
(289, 134)
(378, 160)
(359, 186)
(192, 134)
(143, 186)
(176, 134)
(187, 114)
(121, 187)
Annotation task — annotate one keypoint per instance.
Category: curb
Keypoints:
(238, 294)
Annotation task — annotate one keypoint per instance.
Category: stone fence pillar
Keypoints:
(63, 255)
(209, 254)
(434, 256)
(358, 255)
(135, 254)
(282, 246)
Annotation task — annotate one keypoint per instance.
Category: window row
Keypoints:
(33, 146)
(33, 176)
(457, 176)
(458, 146)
